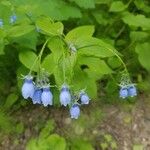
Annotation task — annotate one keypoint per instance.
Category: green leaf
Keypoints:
(141, 5)
(136, 20)
(1, 46)
(69, 63)
(47, 26)
(82, 31)
(82, 80)
(114, 62)
(95, 65)
(103, 2)
(58, 75)
(117, 6)
(94, 47)
(56, 142)
(11, 99)
(139, 36)
(85, 3)
(28, 40)
(28, 58)
(138, 147)
(56, 47)
(5, 122)
(32, 145)
(49, 127)
(49, 64)
(80, 144)
(100, 18)
(144, 54)
(20, 30)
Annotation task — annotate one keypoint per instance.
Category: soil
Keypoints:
(128, 124)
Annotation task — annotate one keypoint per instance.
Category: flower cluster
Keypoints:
(127, 89)
(41, 94)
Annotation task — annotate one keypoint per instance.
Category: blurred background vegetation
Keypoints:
(125, 24)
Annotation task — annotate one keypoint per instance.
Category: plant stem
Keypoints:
(38, 57)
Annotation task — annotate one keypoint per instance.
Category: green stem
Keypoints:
(64, 72)
(38, 57)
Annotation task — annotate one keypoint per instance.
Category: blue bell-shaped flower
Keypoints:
(37, 96)
(47, 97)
(132, 91)
(123, 92)
(65, 96)
(28, 87)
(75, 111)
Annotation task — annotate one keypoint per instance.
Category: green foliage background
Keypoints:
(120, 26)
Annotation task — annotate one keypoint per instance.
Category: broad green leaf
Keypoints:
(56, 47)
(144, 54)
(85, 3)
(1, 46)
(32, 145)
(79, 144)
(117, 6)
(114, 62)
(102, 1)
(82, 31)
(136, 20)
(69, 64)
(11, 99)
(138, 147)
(59, 75)
(20, 30)
(29, 58)
(94, 47)
(100, 18)
(28, 40)
(46, 25)
(82, 80)
(49, 127)
(56, 142)
(5, 122)
(139, 36)
(142, 5)
(95, 65)
(49, 64)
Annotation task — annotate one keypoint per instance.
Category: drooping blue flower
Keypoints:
(84, 98)
(47, 97)
(1, 23)
(75, 111)
(123, 92)
(132, 91)
(28, 88)
(65, 96)
(13, 19)
(37, 96)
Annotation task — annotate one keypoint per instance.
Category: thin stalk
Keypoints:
(38, 57)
